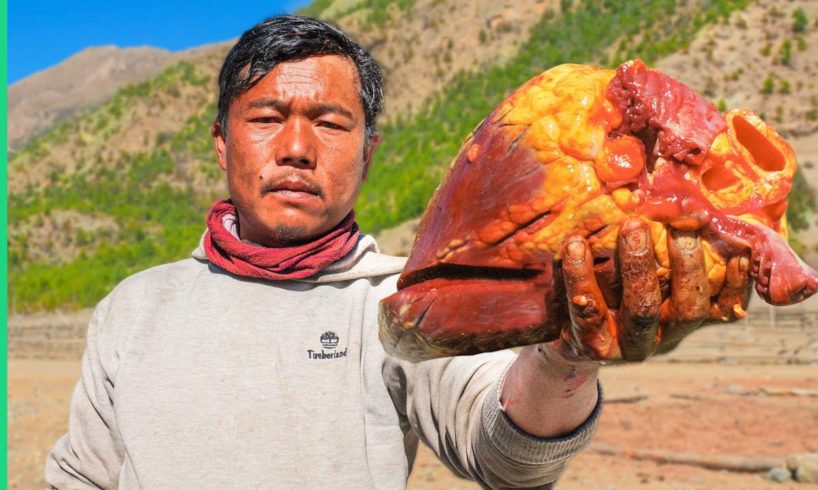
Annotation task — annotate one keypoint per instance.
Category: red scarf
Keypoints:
(296, 262)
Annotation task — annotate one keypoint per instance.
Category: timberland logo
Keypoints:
(329, 340)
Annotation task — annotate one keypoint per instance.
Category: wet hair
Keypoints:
(290, 37)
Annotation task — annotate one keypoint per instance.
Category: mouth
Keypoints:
(291, 188)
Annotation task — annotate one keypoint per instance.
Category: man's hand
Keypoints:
(551, 388)
(638, 322)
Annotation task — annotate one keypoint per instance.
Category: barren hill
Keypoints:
(89, 77)
(761, 59)
(423, 46)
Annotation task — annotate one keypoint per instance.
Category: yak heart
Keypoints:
(577, 150)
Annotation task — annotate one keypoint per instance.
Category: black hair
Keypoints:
(292, 37)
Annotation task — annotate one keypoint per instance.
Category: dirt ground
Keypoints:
(748, 389)
(690, 407)
(706, 408)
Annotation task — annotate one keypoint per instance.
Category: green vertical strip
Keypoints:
(4, 226)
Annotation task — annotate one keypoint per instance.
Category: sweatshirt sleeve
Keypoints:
(453, 404)
(90, 455)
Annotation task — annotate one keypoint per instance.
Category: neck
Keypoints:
(282, 236)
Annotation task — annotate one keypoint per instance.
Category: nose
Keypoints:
(295, 144)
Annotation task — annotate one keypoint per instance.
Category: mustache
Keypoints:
(293, 182)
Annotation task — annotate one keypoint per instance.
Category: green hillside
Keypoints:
(155, 200)
(149, 195)
(415, 153)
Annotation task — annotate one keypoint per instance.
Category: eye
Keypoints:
(330, 125)
(264, 120)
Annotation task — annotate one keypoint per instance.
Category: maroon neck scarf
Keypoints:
(296, 262)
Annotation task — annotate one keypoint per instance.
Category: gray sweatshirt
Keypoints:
(195, 378)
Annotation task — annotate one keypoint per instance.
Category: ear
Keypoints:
(369, 148)
(219, 143)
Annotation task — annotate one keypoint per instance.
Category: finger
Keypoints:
(689, 288)
(735, 295)
(590, 317)
(641, 298)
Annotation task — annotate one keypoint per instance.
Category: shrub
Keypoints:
(799, 21)
(565, 6)
(768, 86)
(785, 53)
(722, 105)
(801, 42)
(802, 202)
(784, 87)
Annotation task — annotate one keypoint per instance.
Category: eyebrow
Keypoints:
(313, 110)
(271, 103)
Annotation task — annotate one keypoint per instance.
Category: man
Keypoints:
(256, 363)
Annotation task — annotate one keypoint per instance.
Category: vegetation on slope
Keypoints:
(150, 196)
(110, 117)
(375, 13)
(801, 205)
(415, 153)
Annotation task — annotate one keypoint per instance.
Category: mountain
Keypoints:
(124, 183)
(89, 77)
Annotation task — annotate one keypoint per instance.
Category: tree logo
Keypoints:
(329, 340)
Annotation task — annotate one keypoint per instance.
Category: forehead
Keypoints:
(317, 78)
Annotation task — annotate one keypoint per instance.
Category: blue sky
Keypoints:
(43, 33)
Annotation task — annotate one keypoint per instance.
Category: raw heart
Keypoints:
(577, 150)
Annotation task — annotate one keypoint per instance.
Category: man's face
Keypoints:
(294, 150)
